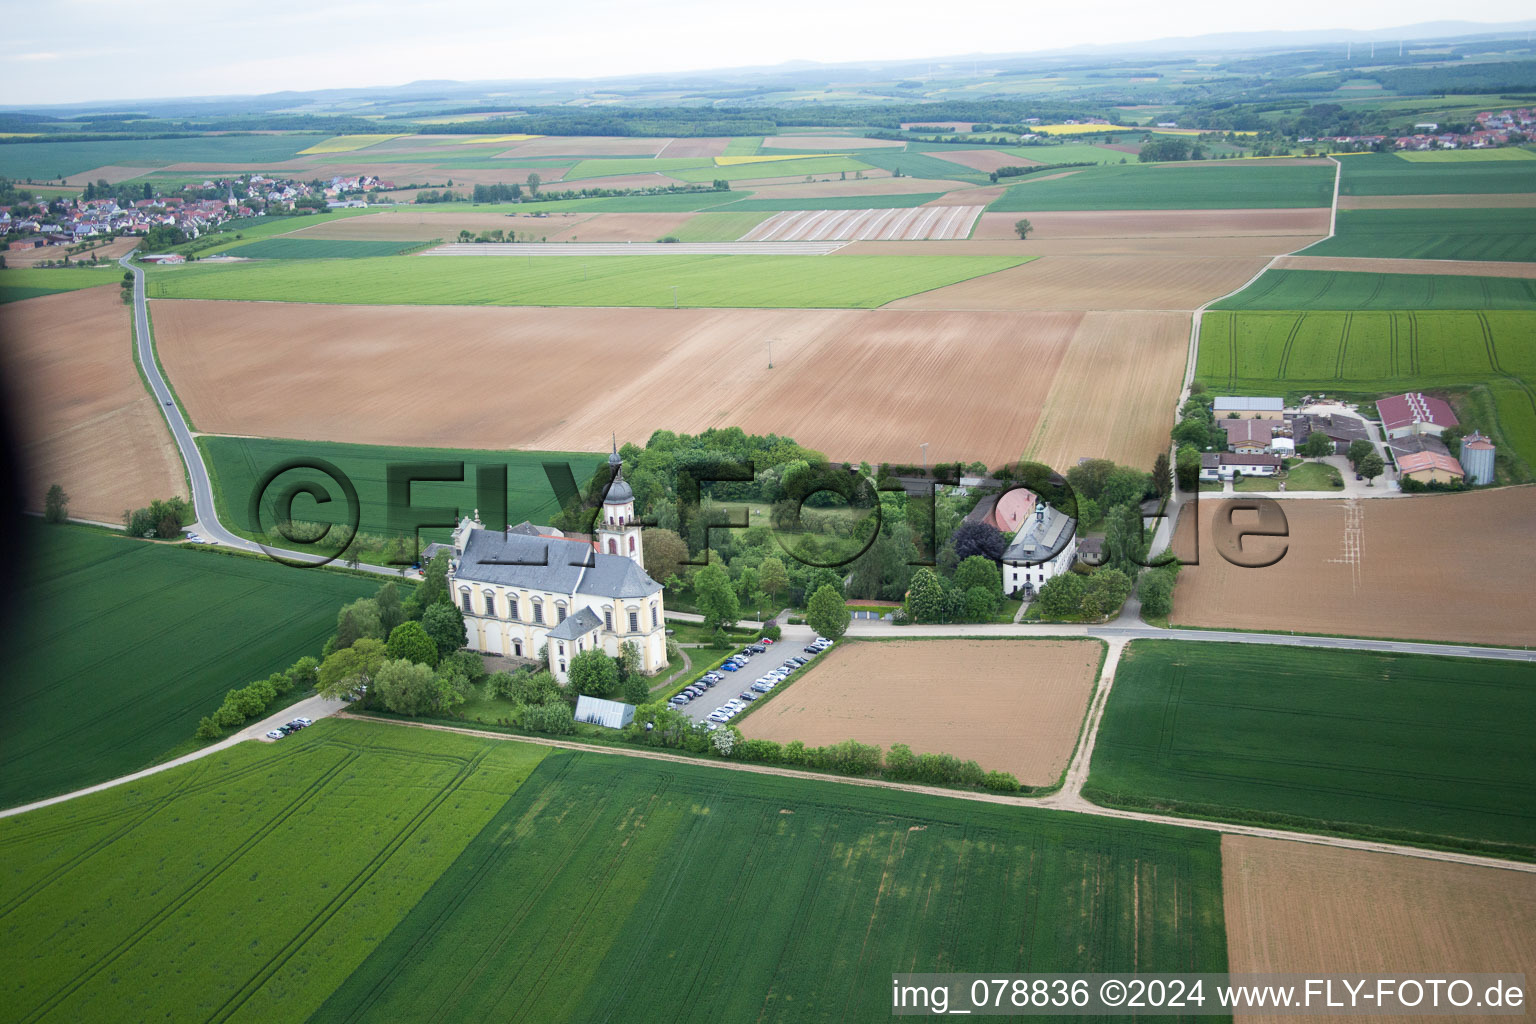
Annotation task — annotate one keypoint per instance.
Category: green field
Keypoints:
(718, 227)
(504, 280)
(125, 645)
(1069, 153)
(19, 283)
(629, 890)
(669, 202)
(1380, 353)
(51, 160)
(1351, 290)
(1508, 234)
(238, 465)
(704, 169)
(1388, 174)
(1465, 156)
(244, 886)
(315, 249)
(1174, 187)
(920, 165)
(1425, 750)
(858, 202)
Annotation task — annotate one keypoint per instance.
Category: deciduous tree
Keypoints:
(409, 641)
(594, 673)
(827, 614)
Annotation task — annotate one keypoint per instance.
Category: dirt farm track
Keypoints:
(1448, 567)
(1296, 907)
(1009, 705)
(857, 384)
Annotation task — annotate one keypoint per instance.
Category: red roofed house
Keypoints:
(1006, 511)
(1415, 413)
(1249, 437)
(1430, 467)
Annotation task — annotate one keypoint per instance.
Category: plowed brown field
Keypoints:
(1451, 567)
(860, 384)
(88, 423)
(1157, 223)
(28, 257)
(695, 147)
(1112, 396)
(1172, 245)
(1094, 282)
(1303, 907)
(1009, 705)
(986, 160)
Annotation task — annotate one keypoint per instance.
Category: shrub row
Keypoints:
(250, 702)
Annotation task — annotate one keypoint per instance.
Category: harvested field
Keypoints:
(921, 222)
(974, 699)
(1297, 907)
(90, 426)
(1173, 245)
(862, 384)
(1447, 202)
(1112, 396)
(463, 178)
(1348, 559)
(987, 160)
(695, 147)
(1095, 282)
(587, 145)
(1362, 264)
(113, 173)
(831, 143)
(970, 196)
(15, 258)
(1304, 223)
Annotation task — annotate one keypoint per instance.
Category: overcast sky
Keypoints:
(64, 51)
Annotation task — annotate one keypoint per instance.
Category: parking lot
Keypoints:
(791, 646)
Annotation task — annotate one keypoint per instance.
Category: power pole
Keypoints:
(674, 296)
(924, 446)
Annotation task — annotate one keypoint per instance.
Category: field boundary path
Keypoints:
(315, 707)
(1058, 801)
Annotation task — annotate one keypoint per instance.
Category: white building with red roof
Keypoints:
(1429, 467)
(1415, 413)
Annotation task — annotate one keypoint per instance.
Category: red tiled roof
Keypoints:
(1405, 410)
(1417, 462)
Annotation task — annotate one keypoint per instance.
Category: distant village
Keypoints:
(104, 210)
(1505, 128)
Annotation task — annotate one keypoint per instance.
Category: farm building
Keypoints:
(1226, 465)
(1006, 512)
(1430, 467)
(163, 257)
(1342, 430)
(1044, 548)
(1415, 443)
(1477, 454)
(612, 714)
(531, 586)
(1415, 413)
(1226, 406)
(1249, 437)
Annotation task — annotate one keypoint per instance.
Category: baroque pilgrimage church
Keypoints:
(532, 585)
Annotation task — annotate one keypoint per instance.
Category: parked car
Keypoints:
(761, 687)
(766, 641)
(757, 648)
(713, 677)
(276, 734)
(730, 666)
(812, 649)
(718, 716)
(304, 721)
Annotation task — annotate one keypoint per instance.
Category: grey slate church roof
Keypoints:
(580, 624)
(550, 564)
(1041, 538)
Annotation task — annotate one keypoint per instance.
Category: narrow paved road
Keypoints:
(207, 524)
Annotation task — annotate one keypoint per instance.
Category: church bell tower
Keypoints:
(618, 532)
